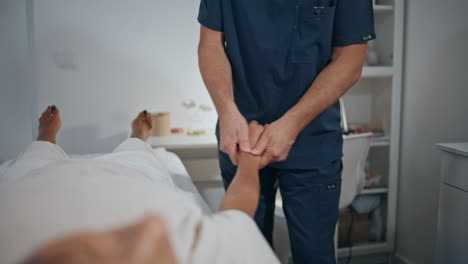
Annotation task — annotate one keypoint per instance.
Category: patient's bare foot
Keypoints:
(142, 126)
(49, 124)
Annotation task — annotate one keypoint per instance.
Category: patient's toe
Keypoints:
(54, 112)
(147, 119)
(46, 112)
(45, 115)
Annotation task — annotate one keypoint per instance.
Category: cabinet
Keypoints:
(452, 232)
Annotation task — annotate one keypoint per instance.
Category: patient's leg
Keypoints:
(142, 126)
(137, 154)
(43, 151)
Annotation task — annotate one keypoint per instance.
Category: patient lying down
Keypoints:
(122, 207)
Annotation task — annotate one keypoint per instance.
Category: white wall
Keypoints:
(435, 109)
(16, 91)
(120, 57)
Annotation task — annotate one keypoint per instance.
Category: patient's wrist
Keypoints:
(249, 160)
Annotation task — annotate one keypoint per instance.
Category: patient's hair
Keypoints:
(146, 240)
(64, 258)
(54, 260)
(42, 261)
(33, 261)
(77, 254)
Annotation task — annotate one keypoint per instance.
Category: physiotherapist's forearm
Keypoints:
(338, 77)
(244, 191)
(216, 70)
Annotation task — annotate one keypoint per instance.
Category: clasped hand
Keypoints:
(273, 145)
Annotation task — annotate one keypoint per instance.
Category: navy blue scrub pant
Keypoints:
(310, 203)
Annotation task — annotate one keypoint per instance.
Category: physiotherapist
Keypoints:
(285, 63)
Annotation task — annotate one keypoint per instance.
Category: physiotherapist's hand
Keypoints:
(276, 142)
(234, 133)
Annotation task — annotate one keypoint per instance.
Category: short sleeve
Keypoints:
(231, 237)
(210, 14)
(354, 22)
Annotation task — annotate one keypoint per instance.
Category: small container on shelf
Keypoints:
(162, 124)
(198, 115)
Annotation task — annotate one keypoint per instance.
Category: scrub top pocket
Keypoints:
(313, 32)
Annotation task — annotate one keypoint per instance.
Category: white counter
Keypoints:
(452, 229)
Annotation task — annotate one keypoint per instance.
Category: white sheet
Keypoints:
(174, 165)
(70, 195)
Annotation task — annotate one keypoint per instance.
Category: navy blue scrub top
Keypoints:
(276, 49)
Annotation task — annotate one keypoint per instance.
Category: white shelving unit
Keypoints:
(380, 190)
(377, 71)
(376, 99)
(383, 8)
(380, 144)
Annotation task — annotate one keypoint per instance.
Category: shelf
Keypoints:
(364, 249)
(380, 190)
(184, 141)
(380, 143)
(377, 71)
(383, 8)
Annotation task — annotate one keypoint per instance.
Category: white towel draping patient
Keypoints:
(46, 195)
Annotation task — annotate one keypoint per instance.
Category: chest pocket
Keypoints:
(313, 31)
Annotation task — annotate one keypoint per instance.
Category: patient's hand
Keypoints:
(244, 190)
(247, 159)
(255, 131)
